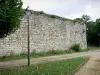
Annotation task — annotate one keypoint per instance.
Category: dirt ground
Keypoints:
(92, 67)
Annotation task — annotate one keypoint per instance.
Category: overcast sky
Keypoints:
(66, 8)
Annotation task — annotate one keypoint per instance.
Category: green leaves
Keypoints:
(76, 47)
(85, 18)
(93, 32)
(10, 16)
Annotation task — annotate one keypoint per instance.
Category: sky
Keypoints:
(66, 8)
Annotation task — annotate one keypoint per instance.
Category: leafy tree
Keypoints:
(10, 16)
(98, 30)
(80, 20)
(85, 18)
(93, 33)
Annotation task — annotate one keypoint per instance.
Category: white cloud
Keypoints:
(93, 10)
(73, 16)
(51, 4)
(45, 4)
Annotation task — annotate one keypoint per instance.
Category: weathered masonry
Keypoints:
(46, 33)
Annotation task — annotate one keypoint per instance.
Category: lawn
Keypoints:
(43, 54)
(61, 67)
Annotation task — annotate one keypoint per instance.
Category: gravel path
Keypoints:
(49, 58)
(92, 67)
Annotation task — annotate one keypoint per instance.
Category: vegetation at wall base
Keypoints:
(61, 67)
(43, 54)
(76, 47)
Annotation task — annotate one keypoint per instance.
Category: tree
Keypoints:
(79, 20)
(85, 18)
(98, 30)
(10, 16)
(93, 33)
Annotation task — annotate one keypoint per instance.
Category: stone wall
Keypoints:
(45, 34)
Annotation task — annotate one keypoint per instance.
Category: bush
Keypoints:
(69, 51)
(12, 53)
(76, 47)
(33, 52)
(41, 12)
(53, 16)
(4, 56)
(23, 54)
(54, 52)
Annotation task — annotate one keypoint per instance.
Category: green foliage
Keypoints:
(79, 20)
(54, 52)
(41, 12)
(34, 54)
(38, 12)
(93, 32)
(62, 67)
(76, 47)
(3, 57)
(12, 54)
(42, 54)
(93, 29)
(85, 18)
(10, 16)
(53, 16)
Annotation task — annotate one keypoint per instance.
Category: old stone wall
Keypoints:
(45, 34)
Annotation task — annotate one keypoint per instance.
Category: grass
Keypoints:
(43, 54)
(34, 55)
(90, 48)
(61, 67)
(93, 48)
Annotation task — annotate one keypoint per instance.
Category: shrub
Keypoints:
(76, 47)
(69, 51)
(41, 12)
(33, 52)
(53, 16)
(4, 56)
(41, 54)
(23, 54)
(12, 53)
(54, 52)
